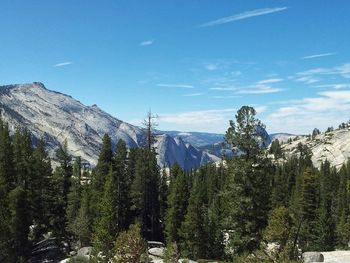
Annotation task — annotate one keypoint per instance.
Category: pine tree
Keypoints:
(19, 225)
(6, 156)
(22, 152)
(107, 228)
(103, 164)
(342, 211)
(304, 210)
(163, 194)
(122, 185)
(74, 196)
(216, 213)
(82, 225)
(279, 227)
(131, 183)
(61, 182)
(177, 202)
(145, 194)
(152, 213)
(99, 174)
(40, 184)
(249, 185)
(279, 196)
(325, 223)
(276, 149)
(65, 168)
(7, 181)
(130, 246)
(194, 230)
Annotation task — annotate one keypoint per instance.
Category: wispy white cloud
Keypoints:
(183, 86)
(62, 64)
(147, 42)
(334, 86)
(226, 97)
(307, 79)
(227, 88)
(259, 89)
(214, 120)
(270, 81)
(193, 94)
(301, 116)
(256, 88)
(318, 55)
(317, 74)
(244, 15)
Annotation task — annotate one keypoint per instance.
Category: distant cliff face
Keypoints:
(58, 117)
(333, 146)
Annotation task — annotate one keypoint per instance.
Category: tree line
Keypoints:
(225, 211)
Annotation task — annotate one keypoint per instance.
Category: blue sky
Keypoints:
(194, 63)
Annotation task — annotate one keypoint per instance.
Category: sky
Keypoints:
(193, 63)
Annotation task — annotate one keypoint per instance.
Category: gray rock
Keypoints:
(157, 252)
(309, 257)
(84, 251)
(332, 146)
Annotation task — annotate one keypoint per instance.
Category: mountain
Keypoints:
(197, 139)
(333, 146)
(282, 137)
(58, 117)
(173, 150)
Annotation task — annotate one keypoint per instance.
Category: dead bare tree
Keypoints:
(149, 124)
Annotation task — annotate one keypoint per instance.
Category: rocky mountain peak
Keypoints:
(58, 117)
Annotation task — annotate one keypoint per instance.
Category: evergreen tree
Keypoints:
(279, 196)
(60, 187)
(131, 183)
(244, 133)
(278, 228)
(74, 196)
(81, 227)
(194, 230)
(39, 187)
(19, 225)
(130, 246)
(6, 252)
(172, 253)
(65, 168)
(122, 185)
(304, 210)
(276, 149)
(177, 202)
(22, 152)
(103, 164)
(249, 185)
(145, 194)
(163, 193)
(342, 229)
(6, 156)
(326, 224)
(216, 213)
(107, 228)
(7, 181)
(315, 132)
(99, 174)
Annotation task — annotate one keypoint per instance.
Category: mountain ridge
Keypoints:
(58, 117)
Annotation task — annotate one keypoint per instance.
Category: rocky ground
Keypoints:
(340, 256)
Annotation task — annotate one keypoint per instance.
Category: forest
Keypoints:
(229, 211)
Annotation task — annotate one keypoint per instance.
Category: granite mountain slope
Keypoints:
(333, 146)
(58, 117)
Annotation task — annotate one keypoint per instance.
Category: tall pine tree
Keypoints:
(249, 184)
